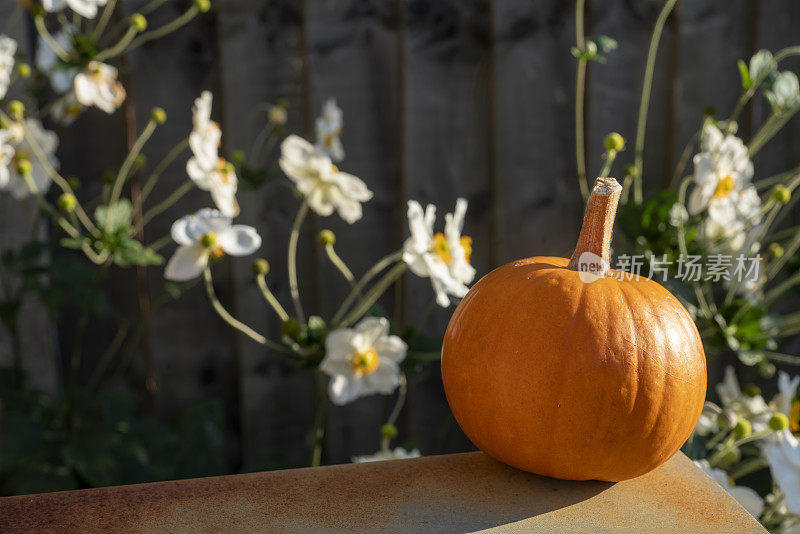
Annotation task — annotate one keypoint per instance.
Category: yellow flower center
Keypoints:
(209, 241)
(442, 249)
(334, 168)
(365, 362)
(794, 417)
(224, 169)
(725, 187)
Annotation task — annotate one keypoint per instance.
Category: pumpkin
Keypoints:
(569, 369)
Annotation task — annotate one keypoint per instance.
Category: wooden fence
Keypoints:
(442, 98)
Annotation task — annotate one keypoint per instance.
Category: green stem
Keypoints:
(228, 318)
(340, 265)
(125, 169)
(319, 419)
(402, 390)
(688, 150)
(292, 261)
(151, 6)
(728, 447)
(641, 124)
(105, 17)
(750, 466)
(160, 243)
(781, 288)
(358, 288)
(781, 357)
(374, 294)
(118, 48)
(108, 355)
(261, 280)
(41, 28)
(258, 142)
(782, 54)
(165, 204)
(611, 155)
(698, 290)
(168, 28)
(769, 129)
(176, 151)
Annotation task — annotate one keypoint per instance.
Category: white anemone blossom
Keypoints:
(747, 497)
(731, 234)
(753, 408)
(61, 77)
(721, 172)
(207, 170)
(784, 401)
(363, 360)
(15, 137)
(84, 8)
(783, 456)
(442, 257)
(98, 86)
(8, 47)
(323, 185)
(399, 453)
(204, 235)
(329, 130)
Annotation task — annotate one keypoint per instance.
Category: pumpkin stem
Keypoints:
(598, 225)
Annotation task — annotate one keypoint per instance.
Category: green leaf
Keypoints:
(117, 216)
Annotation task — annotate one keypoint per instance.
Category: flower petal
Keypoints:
(187, 263)
(239, 240)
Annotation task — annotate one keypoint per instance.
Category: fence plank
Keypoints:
(264, 44)
(353, 58)
(447, 138)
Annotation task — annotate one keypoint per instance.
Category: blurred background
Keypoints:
(441, 99)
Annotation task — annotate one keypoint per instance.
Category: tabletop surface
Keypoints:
(450, 493)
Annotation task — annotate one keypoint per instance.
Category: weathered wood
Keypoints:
(353, 57)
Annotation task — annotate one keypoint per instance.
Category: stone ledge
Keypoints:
(452, 493)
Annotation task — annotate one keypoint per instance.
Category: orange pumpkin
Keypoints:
(573, 375)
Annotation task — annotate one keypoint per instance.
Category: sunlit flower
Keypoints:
(206, 169)
(707, 423)
(6, 158)
(329, 130)
(783, 455)
(721, 171)
(15, 137)
(753, 408)
(363, 360)
(323, 185)
(204, 235)
(443, 257)
(399, 453)
(747, 497)
(98, 86)
(84, 8)
(743, 212)
(784, 92)
(8, 47)
(785, 401)
(47, 61)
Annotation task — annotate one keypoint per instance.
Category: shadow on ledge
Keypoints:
(454, 493)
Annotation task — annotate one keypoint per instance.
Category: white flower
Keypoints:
(362, 360)
(721, 170)
(208, 233)
(785, 92)
(8, 47)
(66, 109)
(747, 497)
(754, 409)
(783, 455)
(47, 61)
(47, 141)
(399, 453)
(206, 169)
(324, 186)
(787, 391)
(743, 212)
(277, 115)
(442, 257)
(329, 130)
(97, 86)
(6, 158)
(707, 423)
(84, 8)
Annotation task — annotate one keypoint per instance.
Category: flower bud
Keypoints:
(291, 327)
(630, 171)
(277, 115)
(16, 109)
(203, 5)
(742, 429)
(228, 168)
(389, 431)
(24, 70)
(37, 11)
(67, 202)
(614, 142)
(24, 166)
(751, 390)
(776, 250)
(140, 160)
(781, 193)
(209, 240)
(74, 182)
(239, 156)
(778, 422)
(158, 115)
(260, 267)
(138, 22)
(108, 178)
(326, 237)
